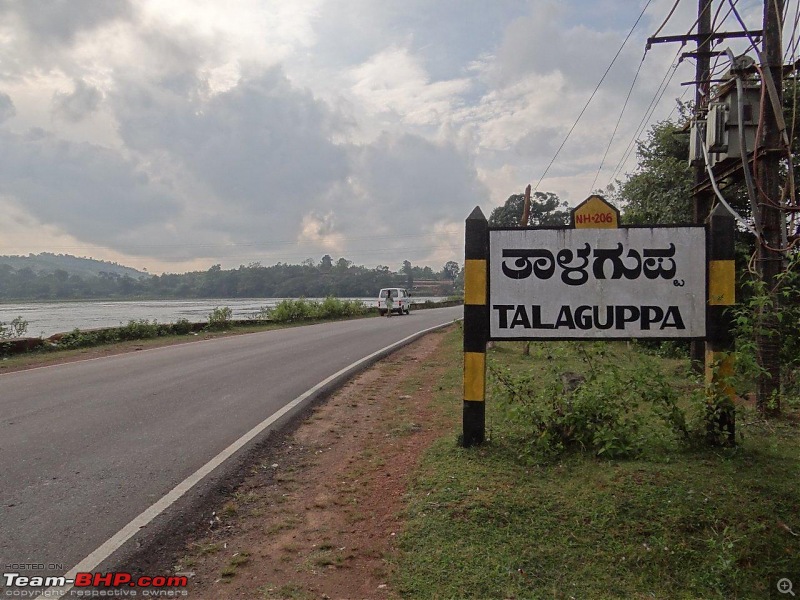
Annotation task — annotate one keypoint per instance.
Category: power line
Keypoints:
(656, 98)
(662, 88)
(613, 60)
(791, 49)
(669, 16)
(741, 22)
(622, 112)
(654, 102)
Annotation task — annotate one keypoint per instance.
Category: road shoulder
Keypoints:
(319, 515)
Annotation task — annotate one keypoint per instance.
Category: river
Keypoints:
(46, 318)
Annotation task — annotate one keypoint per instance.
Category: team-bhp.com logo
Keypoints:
(159, 586)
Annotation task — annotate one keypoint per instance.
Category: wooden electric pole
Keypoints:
(702, 198)
(769, 258)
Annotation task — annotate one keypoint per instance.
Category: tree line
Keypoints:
(326, 278)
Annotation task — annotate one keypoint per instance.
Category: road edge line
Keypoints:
(116, 541)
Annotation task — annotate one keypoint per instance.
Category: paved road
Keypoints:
(86, 447)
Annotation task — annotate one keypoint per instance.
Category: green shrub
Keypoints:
(289, 311)
(134, 330)
(262, 315)
(84, 339)
(18, 327)
(181, 327)
(351, 308)
(775, 315)
(220, 318)
(604, 412)
(138, 330)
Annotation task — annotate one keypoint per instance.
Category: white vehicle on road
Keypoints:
(401, 302)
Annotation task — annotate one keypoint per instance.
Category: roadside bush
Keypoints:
(261, 315)
(138, 330)
(18, 327)
(666, 348)
(289, 311)
(774, 314)
(605, 412)
(84, 339)
(220, 318)
(181, 327)
(347, 308)
(134, 330)
(328, 308)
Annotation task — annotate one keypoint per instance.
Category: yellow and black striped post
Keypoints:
(720, 345)
(476, 327)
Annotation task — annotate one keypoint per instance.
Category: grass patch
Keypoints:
(290, 522)
(205, 549)
(674, 521)
(230, 570)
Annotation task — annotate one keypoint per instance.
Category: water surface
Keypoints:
(46, 318)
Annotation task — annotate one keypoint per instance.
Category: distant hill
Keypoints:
(47, 262)
(46, 277)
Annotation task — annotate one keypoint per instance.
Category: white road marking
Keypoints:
(116, 541)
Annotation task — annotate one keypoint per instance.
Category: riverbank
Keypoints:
(48, 318)
(29, 352)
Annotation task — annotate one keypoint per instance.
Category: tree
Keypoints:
(343, 264)
(326, 264)
(450, 270)
(547, 209)
(408, 270)
(660, 190)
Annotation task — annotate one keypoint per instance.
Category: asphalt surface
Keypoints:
(86, 447)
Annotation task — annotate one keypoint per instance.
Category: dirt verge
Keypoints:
(319, 517)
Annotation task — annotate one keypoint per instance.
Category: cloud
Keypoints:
(40, 36)
(394, 81)
(262, 148)
(77, 105)
(425, 180)
(7, 108)
(193, 130)
(61, 21)
(86, 190)
(407, 190)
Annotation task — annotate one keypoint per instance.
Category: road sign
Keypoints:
(595, 213)
(597, 281)
(641, 282)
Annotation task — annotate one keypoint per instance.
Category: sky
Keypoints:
(172, 135)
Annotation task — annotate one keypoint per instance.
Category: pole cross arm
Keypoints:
(700, 38)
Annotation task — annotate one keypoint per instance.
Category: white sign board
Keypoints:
(597, 283)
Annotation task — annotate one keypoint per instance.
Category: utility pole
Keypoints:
(701, 200)
(769, 259)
